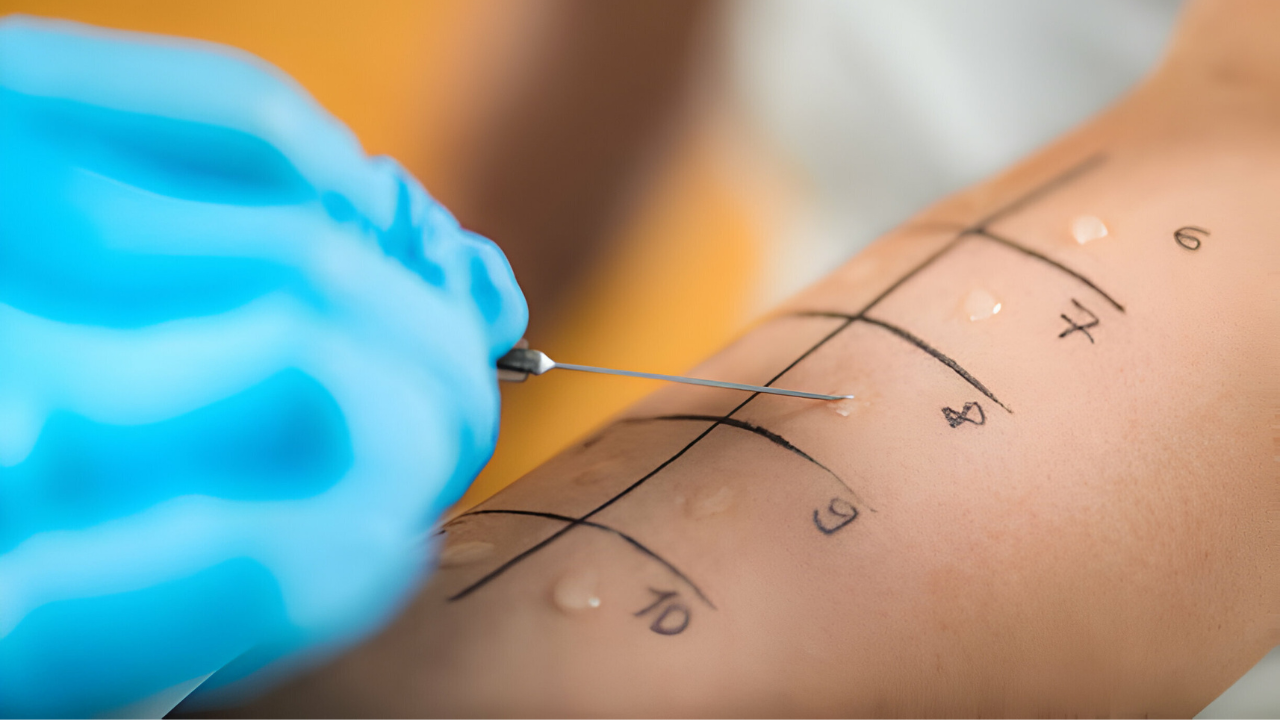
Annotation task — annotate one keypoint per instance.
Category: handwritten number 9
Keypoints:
(842, 513)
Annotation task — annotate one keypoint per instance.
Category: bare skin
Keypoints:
(1105, 542)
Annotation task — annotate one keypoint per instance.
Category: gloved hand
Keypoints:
(243, 368)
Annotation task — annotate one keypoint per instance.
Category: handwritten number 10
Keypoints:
(671, 618)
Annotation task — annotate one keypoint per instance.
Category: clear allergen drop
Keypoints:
(841, 407)
(576, 592)
(1087, 228)
(709, 503)
(981, 305)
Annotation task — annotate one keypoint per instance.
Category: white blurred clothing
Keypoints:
(883, 107)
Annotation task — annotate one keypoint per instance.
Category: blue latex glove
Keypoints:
(243, 368)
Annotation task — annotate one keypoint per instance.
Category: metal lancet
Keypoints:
(521, 362)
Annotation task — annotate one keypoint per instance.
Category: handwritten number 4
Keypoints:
(1082, 326)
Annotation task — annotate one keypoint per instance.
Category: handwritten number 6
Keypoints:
(1187, 238)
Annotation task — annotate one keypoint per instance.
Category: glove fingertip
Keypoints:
(496, 294)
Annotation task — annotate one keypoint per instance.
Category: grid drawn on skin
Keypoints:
(607, 528)
(921, 344)
(977, 230)
(724, 421)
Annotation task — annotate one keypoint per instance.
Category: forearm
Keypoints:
(1096, 533)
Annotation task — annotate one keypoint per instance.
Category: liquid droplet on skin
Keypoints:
(1087, 228)
(576, 592)
(593, 474)
(711, 503)
(980, 305)
(465, 553)
(841, 407)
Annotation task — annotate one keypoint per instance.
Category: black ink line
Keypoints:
(718, 422)
(980, 229)
(1014, 205)
(769, 435)
(1072, 173)
(627, 490)
(914, 271)
(574, 523)
(812, 349)
(937, 356)
(598, 526)
(1028, 251)
(934, 352)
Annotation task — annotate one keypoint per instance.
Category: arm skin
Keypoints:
(1109, 547)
